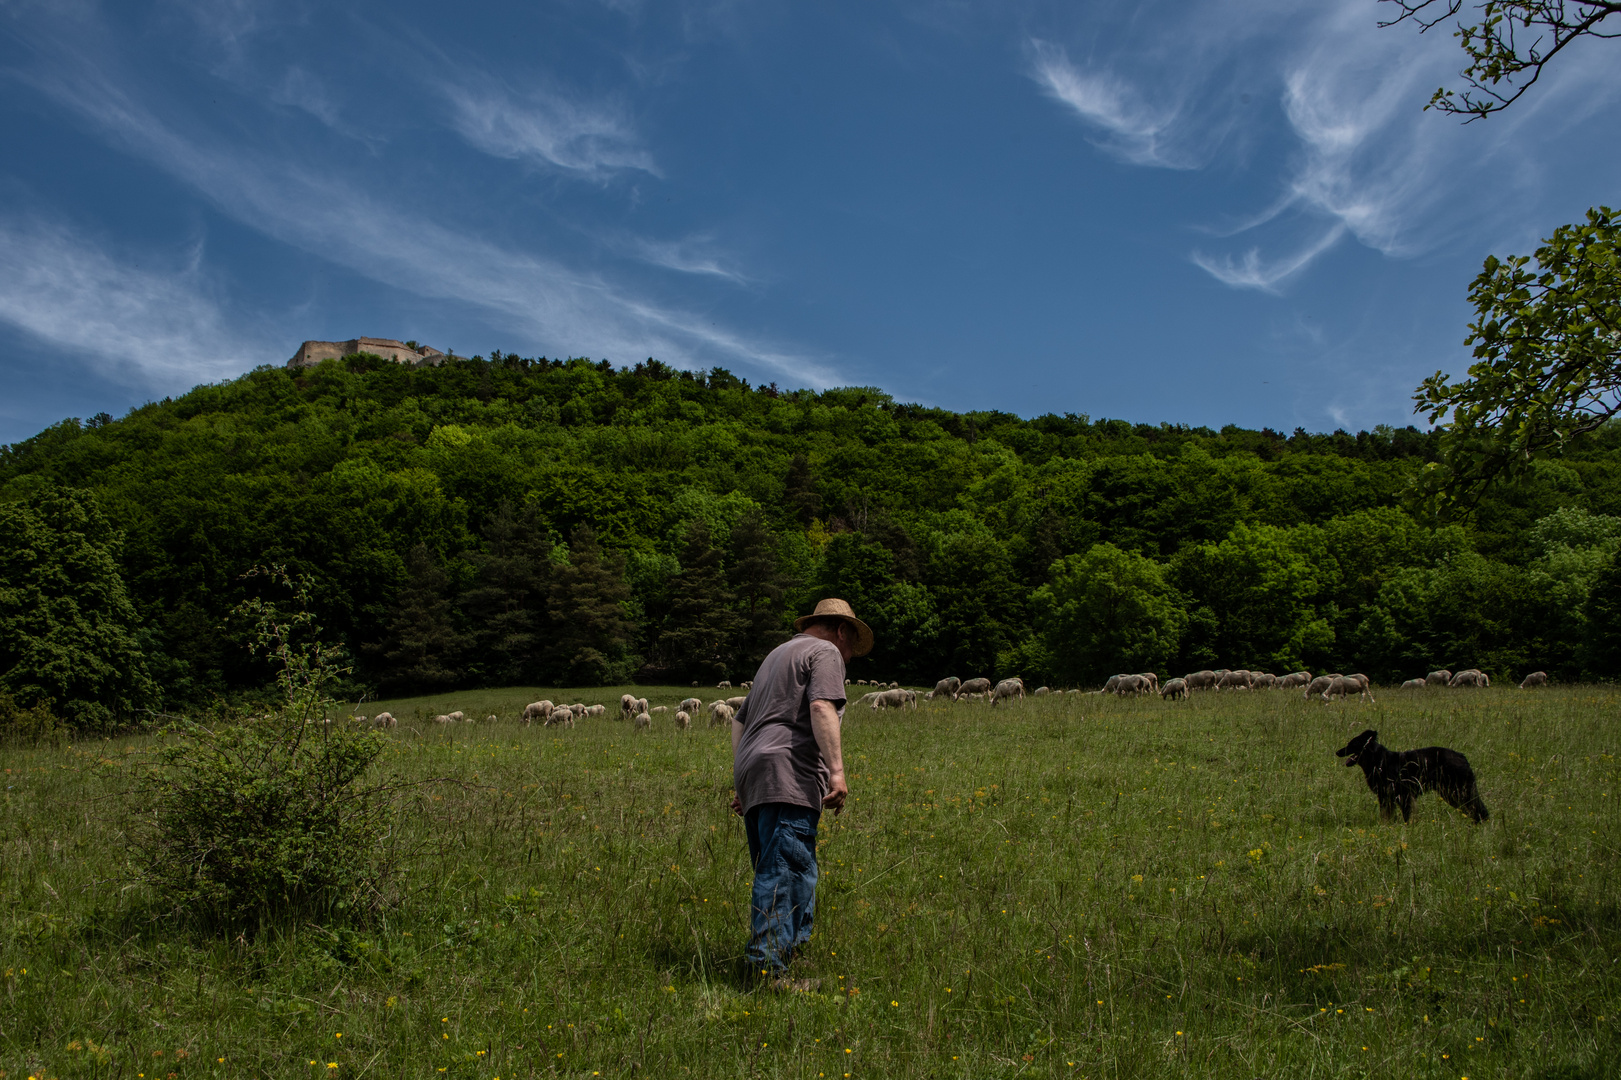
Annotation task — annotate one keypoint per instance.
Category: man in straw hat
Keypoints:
(787, 765)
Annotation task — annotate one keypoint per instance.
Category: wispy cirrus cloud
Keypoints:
(1361, 158)
(545, 127)
(1129, 127)
(319, 211)
(157, 328)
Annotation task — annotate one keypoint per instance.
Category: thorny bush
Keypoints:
(250, 821)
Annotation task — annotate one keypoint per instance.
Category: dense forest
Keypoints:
(514, 521)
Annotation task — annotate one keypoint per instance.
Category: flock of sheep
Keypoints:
(894, 696)
(637, 711)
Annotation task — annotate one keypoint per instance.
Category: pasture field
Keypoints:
(1069, 886)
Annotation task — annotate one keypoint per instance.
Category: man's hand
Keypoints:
(737, 806)
(838, 791)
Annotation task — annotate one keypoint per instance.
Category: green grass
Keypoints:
(1070, 886)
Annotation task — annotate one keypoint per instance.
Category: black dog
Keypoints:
(1400, 776)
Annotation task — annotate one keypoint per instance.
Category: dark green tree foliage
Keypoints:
(798, 494)
(704, 625)
(424, 649)
(1109, 612)
(505, 607)
(590, 635)
(67, 627)
(387, 487)
(760, 587)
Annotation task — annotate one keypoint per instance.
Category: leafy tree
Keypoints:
(798, 494)
(1257, 593)
(424, 649)
(590, 633)
(67, 627)
(506, 605)
(1547, 347)
(761, 588)
(704, 626)
(1508, 42)
(1601, 652)
(1106, 612)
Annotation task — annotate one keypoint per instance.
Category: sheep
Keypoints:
(627, 706)
(442, 719)
(1471, 677)
(490, 719)
(659, 708)
(643, 721)
(1175, 690)
(1343, 686)
(975, 695)
(641, 705)
(1129, 684)
(947, 687)
(1041, 691)
(1263, 681)
(893, 699)
(562, 716)
(974, 686)
(455, 717)
(746, 685)
(1319, 684)
(537, 710)
(1153, 680)
(737, 702)
(1536, 678)
(1113, 685)
(724, 684)
(682, 719)
(1414, 684)
(1294, 679)
(1200, 680)
(1007, 688)
(720, 713)
(596, 710)
(1234, 680)
(690, 705)
(578, 709)
(868, 699)
(1441, 677)
(384, 720)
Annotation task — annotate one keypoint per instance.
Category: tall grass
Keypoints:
(1070, 886)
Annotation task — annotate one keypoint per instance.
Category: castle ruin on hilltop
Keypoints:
(313, 352)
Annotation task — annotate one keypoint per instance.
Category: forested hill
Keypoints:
(514, 521)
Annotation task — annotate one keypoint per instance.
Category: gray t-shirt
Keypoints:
(777, 758)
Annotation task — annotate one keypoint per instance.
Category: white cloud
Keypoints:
(1363, 159)
(1252, 270)
(546, 128)
(1133, 131)
(692, 255)
(558, 307)
(156, 328)
(301, 90)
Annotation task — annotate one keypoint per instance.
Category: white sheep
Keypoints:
(682, 720)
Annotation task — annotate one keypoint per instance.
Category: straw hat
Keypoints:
(835, 608)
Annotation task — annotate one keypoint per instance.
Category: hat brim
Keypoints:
(864, 638)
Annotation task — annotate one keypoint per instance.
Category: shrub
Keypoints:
(262, 819)
(34, 725)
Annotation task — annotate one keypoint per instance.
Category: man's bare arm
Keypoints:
(825, 726)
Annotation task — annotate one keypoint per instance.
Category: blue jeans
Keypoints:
(782, 847)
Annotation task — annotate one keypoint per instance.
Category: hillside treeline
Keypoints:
(515, 521)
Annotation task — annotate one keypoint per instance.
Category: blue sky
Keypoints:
(1211, 212)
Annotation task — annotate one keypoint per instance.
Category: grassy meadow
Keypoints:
(1069, 886)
